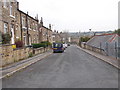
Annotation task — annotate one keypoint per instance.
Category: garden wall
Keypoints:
(8, 55)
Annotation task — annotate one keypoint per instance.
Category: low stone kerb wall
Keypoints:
(8, 55)
(95, 49)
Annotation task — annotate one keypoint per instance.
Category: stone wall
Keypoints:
(40, 50)
(95, 49)
(9, 55)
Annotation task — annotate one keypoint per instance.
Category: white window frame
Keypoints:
(5, 3)
(11, 11)
(25, 43)
(23, 22)
(36, 26)
(33, 26)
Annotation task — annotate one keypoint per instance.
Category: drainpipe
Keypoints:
(21, 27)
(27, 28)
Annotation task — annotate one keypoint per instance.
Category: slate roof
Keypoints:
(105, 38)
(110, 43)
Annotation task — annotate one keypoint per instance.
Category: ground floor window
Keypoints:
(5, 27)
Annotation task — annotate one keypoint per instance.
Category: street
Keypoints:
(71, 69)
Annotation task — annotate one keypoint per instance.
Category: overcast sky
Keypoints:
(74, 15)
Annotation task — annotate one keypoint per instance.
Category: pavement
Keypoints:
(72, 69)
(112, 61)
(12, 68)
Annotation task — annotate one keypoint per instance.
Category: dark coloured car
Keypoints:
(68, 44)
(58, 47)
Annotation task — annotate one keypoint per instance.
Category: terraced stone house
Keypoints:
(45, 34)
(17, 23)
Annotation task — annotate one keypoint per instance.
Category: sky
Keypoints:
(74, 15)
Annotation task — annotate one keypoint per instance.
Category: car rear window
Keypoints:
(57, 45)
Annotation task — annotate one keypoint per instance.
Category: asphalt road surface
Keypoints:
(71, 69)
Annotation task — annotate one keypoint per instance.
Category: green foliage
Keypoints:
(0, 38)
(42, 44)
(39, 45)
(30, 54)
(117, 31)
(47, 43)
(6, 38)
(84, 39)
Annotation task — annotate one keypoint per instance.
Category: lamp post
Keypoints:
(47, 37)
(89, 32)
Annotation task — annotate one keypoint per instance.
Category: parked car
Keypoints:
(65, 45)
(58, 47)
(68, 44)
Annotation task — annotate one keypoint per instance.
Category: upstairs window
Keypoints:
(33, 26)
(11, 10)
(28, 23)
(5, 3)
(36, 27)
(23, 22)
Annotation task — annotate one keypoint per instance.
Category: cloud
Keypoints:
(75, 14)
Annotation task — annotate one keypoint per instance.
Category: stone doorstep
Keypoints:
(25, 64)
(107, 59)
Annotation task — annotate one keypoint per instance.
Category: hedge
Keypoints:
(42, 44)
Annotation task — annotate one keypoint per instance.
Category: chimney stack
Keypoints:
(17, 5)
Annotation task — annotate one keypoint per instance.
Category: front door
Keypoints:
(25, 41)
(30, 40)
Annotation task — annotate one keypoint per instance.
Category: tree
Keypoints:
(84, 39)
(117, 31)
(6, 38)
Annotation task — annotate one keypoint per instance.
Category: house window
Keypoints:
(25, 40)
(5, 27)
(11, 11)
(33, 26)
(23, 21)
(16, 15)
(17, 27)
(28, 23)
(36, 26)
(4, 3)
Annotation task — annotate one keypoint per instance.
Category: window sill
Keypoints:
(12, 16)
(30, 29)
(24, 28)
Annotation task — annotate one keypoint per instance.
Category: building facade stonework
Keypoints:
(56, 36)
(29, 28)
(8, 19)
(18, 24)
(45, 34)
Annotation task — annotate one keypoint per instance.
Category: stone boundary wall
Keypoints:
(9, 55)
(95, 49)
